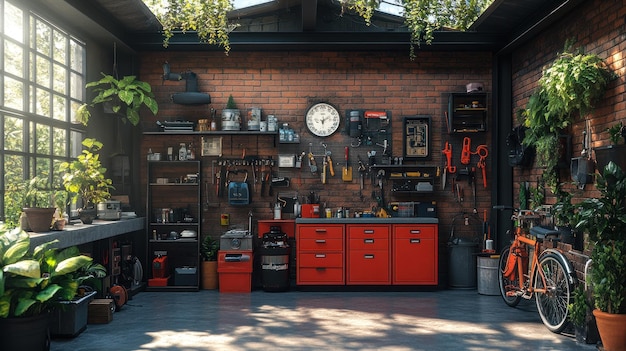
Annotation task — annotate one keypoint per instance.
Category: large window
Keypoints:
(42, 77)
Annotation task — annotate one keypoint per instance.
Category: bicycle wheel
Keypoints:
(552, 305)
(508, 288)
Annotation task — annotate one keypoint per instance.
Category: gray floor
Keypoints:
(304, 320)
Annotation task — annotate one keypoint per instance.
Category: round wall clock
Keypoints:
(322, 119)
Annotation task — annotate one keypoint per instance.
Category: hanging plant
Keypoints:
(569, 88)
(209, 18)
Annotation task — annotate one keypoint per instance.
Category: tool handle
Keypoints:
(466, 152)
(331, 170)
(347, 152)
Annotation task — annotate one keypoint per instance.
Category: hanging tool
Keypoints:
(482, 152)
(324, 167)
(466, 152)
(312, 163)
(447, 151)
(346, 174)
(263, 177)
(361, 177)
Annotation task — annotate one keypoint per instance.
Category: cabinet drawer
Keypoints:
(371, 231)
(368, 267)
(316, 231)
(415, 231)
(320, 244)
(368, 244)
(320, 259)
(320, 276)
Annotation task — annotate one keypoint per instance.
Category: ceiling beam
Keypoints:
(309, 15)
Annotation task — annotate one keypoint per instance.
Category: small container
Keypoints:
(329, 213)
(339, 212)
(278, 211)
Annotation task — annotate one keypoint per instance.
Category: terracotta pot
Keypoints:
(39, 218)
(612, 328)
(209, 275)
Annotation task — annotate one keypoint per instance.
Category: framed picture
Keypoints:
(211, 146)
(416, 137)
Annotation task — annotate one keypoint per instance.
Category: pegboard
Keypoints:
(371, 129)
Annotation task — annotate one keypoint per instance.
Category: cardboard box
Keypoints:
(100, 311)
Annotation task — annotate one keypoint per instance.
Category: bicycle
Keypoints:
(524, 271)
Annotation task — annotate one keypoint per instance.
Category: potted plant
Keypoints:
(616, 151)
(585, 328)
(123, 96)
(61, 200)
(604, 218)
(85, 179)
(566, 216)
(231, 115)
(31, 283)
(208, 251)
(567, 89)
(37, 204)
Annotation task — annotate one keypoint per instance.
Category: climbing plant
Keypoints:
(209, 18)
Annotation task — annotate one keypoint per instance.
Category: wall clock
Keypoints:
(322, 119)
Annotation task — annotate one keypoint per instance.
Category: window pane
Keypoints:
(42, 36)
(60, 44)
(13, 93)
(77, 53)
(76, 145)
(76, 86)
(59, 78)
(13, 59)
(13, 135)
(42, 144)
(13, 22)
(42, 102)
(42, 167)
(59, 111)
(13, 196)
(41, 71)
(58, 142)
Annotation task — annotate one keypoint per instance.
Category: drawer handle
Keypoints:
(320, 268)
(320, 255)
(368, 241)
(320, 241)
(416, 231)
(369, 257)
(368, 231)
(320, 230)
(414, 241)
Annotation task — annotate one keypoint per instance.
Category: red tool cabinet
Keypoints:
(320, 254)
(367, 262)
(415, 254)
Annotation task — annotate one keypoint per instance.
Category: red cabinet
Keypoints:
(414, 252)
(367, 261)
(320, 254)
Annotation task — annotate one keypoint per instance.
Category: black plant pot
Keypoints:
(87, 215)
(615, 153)
(588, 333)
(29, 333)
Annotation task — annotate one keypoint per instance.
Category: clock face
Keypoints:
(322, 119)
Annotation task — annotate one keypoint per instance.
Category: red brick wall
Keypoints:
(286, 83)
(597, 27)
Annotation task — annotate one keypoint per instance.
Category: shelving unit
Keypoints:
(411, 179)
(172, 210)
(467, 112)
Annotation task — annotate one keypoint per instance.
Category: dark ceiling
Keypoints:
(318, 24)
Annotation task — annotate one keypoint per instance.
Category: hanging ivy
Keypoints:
(209, 17)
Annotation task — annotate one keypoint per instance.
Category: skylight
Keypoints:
(241, 4)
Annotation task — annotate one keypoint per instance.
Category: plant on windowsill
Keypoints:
(38, 207)
(84, 178)
(123, 97)
(568, 89)
(604, 218)
(31, 284)
(61, 200)
(208, 251)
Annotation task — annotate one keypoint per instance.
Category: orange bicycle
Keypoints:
(526, 271)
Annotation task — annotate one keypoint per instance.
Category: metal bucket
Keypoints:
(487, 275)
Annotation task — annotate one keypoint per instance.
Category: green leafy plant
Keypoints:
(209, 248)
(126, 96)
(568, 88)
(230, 103)
(617, 133)
(84, 178)
(30, 283)
(604, 218)
(579, 308)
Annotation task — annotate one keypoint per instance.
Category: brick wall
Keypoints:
(597, 27)
(286, 83)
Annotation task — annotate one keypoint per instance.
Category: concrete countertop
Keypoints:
(78, 233)
(369, 220)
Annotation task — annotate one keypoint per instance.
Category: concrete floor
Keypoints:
(305, 320)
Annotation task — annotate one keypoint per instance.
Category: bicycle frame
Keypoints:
(525, 286)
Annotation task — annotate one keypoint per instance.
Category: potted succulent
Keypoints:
(604, 219)
(123, 96)
(616, 151)
(568, 89)
(208, 251)
(85, 179)
(31, 283)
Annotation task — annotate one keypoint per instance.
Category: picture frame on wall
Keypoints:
(416, 137)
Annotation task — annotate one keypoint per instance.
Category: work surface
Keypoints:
(295, 320)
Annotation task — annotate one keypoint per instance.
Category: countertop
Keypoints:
(78, 233)
(369, 220)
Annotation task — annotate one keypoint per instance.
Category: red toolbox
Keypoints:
(235, 271)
